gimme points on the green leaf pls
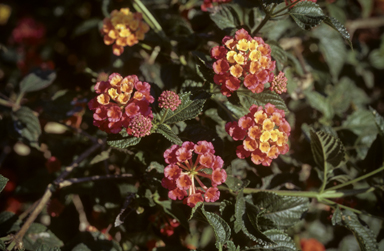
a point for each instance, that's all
(360, 122)
(278, 53)
(379, 120)
(232, 247)
(376, 58)
(37, 80)
(188, 109)
(327, 150)
(195, 209)
(226, 18)
(27, 125)
(247, 99)
(3, 182)
(122, 140)
(204, 66)
(233, 183)
(167, 132)
(336, 25)
(81, 247)
(37, 235)
(155, 166)
(2, 245)
(220, 227)
(237, 110)
(364, 236)
(283, 211)
(101, 157)
(87, 25)
(320, 103)
(239, 212)
(282, 242)
(307, 14)
(44, 247)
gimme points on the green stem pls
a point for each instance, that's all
(357, 179)
(283, 9)
(165, 115)
(265, 20)
(334, 204)
(148, 17)
(6, 103)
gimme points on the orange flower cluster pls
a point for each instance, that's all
(123, 28)
(242, 59)
(311, 245)
(264, 133)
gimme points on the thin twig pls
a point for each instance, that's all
(84, 223)
(70, 182)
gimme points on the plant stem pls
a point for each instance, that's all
(283, 9)
(357, 179)
(165, 115)
(70, 182)
(148, 17)
(6, 103)
(265, 20)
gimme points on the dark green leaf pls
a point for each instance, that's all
(2, 245)
(195, 209)
(232, 247)
(27, 125)
(320, 103)
(86, 26)
(204, 66)
(307, 14)
(167, 132)
(327, 151)
(239, 211)
(365, 237)
(283, 211)
(9, 222)
(220, 227)
(37, 80)
(278, 53)
(44, 247)
(122, 140)
(226, 18)
(360, 122)
(237, 110)
(335, 24)
(282, 242)
(247, 99)
(3, 182)
(37, 235)
(188, 109)
(155, 166)
(376, 58)
(234, 183)
(101, 157)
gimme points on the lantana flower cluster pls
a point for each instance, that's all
(242, 59)
(123, 28)
(209, 3)
(169, 100)
(264, 132)
(279, 83)
(184, 169)
(123, 102)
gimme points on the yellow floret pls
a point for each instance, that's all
(230, 56)
(265, 136)
(123, 98)
(253, 45)
(242, 45)
(113, 93)
(264, 147)
(268, 125)
(254, 55)
(103, 99)
(239, 58)
(275, 135)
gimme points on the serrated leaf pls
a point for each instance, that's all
(220, 227)
(282, 242)
(27, 125)
(327, 151)
(307, 14)
(247, 99)
(44, 247)
(232, 247)
(278, 53)
(37, 80)
(283, 211)
(364, 236)
(3, 182)
(155, 166)
(195, 209)
(251, 224)
(237, 110)
(101, 157)
(379, 120)
(188, 109)
(336, 25)
(167, 132)
(226, 18)
(122, 140)
(239, 211)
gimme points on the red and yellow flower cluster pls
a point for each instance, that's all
(242, 59)
(122, 102)
(123, 28)
(209, 3)
(184, 168)
(264, 133)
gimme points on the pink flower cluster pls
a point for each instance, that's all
(169, 100)
(264, 133)
(28, 31)
(122, 102)
(279, 83)
(242, 59)
(184, 168)
(209, 3)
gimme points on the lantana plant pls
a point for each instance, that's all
(190, 125)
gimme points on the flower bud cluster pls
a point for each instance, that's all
(264, 133)
(123, 28)
(122, 102)
(242, 59)
(209, 3)
(184, 168)
(169, 100)
(279, 83)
